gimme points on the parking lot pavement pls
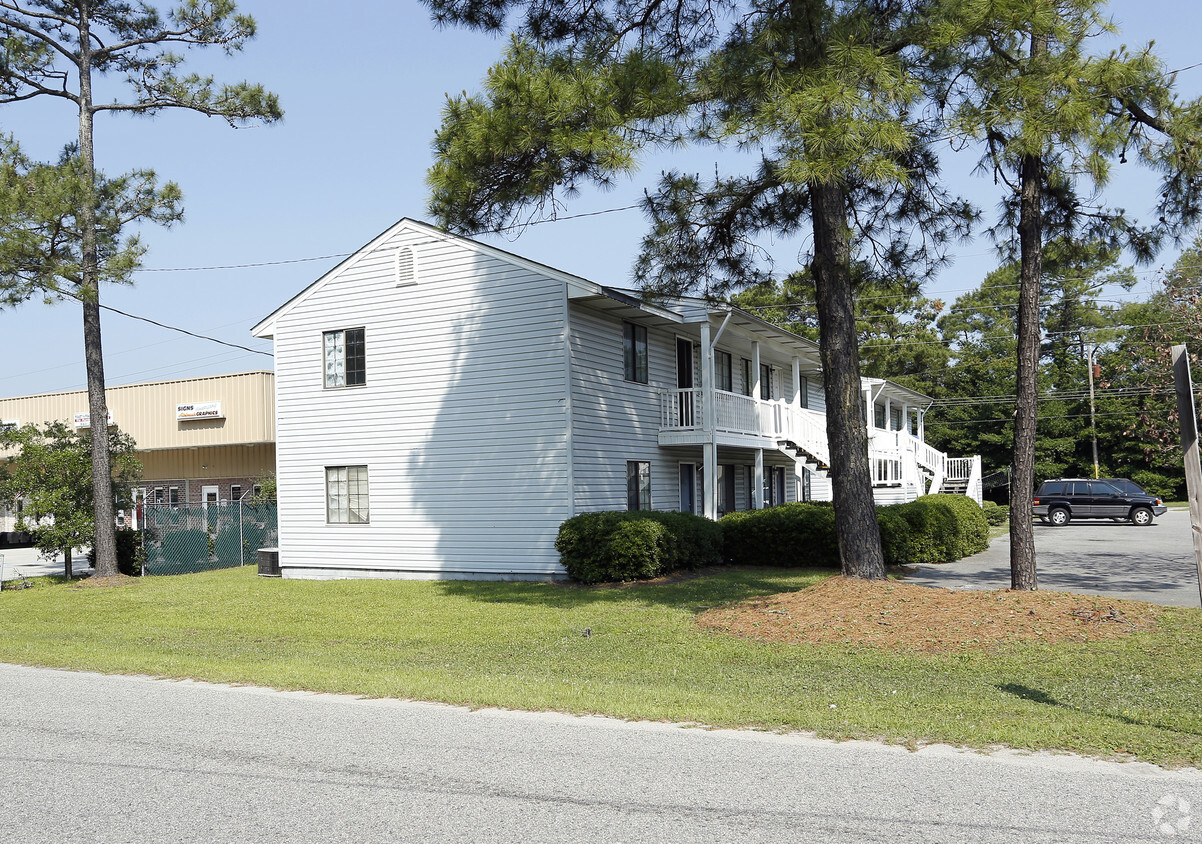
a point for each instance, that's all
(1097, 557)
(28, 562)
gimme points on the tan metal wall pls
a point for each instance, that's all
(147, 412)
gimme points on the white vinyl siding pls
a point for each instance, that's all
(615, 420)
(463, 422)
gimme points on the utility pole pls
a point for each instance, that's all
(1188, 418)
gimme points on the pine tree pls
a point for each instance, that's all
(59, 49)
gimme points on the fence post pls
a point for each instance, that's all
(241, 541)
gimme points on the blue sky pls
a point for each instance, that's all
(362, 90)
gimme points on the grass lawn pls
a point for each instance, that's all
(633, 652)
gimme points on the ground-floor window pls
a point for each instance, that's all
(638, 485)
(346, 495)
(804, 491)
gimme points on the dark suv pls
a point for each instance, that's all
(1061, 500)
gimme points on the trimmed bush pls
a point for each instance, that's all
(620, 545)
(944, 528)
(788, 536)
(995, 514)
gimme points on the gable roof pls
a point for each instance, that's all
(265, 328)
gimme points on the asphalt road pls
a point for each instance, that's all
(1098, 557)
(88, 758)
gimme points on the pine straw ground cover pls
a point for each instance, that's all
(899, 616)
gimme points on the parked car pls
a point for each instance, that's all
(1061, 500)
(1128, 486)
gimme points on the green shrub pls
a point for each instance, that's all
(130, 553)
(788, 536)
(995, 513)
(619, 545)
(944, 528)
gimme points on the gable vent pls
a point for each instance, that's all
(406, 269)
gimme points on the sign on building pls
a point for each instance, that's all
(84, 420)
(199, 410)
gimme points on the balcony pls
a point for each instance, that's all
(742, 421)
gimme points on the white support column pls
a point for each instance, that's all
(796, 402)
(906, 418)
(755, 369)
(709, 488)
(888, 413)
(757, 489)
(869, 412)
(922, 429)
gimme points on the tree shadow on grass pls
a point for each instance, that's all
(1038, 696)
(692, 591)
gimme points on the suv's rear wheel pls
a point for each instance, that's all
(1141, 516)
(1058, 516)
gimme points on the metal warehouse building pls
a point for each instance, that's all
(201, 440)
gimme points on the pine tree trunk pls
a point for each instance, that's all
(1022, 479)
(67, 563)
(859, 535)
(105, 544)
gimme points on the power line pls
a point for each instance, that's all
(256, 264)
(186, 331)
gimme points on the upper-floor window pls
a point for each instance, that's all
(723, 375)
(766, 382)
(346, 358)
(346, 495)
(878, 415)
(748, 384)
(634, 351)
(805, 391)
(638, 485)
(895, 419)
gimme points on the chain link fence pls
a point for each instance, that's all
(184, 540)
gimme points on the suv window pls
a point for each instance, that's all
(1052, 488)
(1103, 488)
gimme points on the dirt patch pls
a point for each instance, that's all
(96, 582)
(899, 616)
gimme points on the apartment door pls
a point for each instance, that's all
(684, 381)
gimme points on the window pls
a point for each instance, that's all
(158, 495)
(256, 490)
(878, 415)
(634, 351)
(766, 382)
(236, 493)
(173, 496)
(346, 358)
(726, 490)
(895, 419)
(747, 382)
(723, 376)
(638, 485)
(805, 391)
(805, 492)
(346, 495)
